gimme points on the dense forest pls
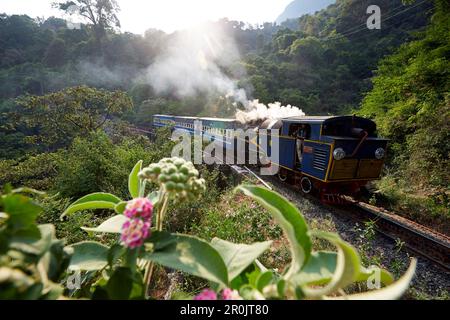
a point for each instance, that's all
(70, 97)
(323, 65)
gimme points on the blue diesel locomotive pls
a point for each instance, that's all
(330, 155)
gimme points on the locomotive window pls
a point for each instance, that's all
(300, 130)
(343, 126)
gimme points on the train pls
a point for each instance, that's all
(330, 156)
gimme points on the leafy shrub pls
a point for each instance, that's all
(98, 163)
(220, 221)
(94, 162)
(231, 268)
(36, 171)
(429, 208)
(69, 230)
(32, 259)
(184, 215)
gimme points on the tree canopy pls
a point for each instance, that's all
(57, 118)
(100, 13)
(410, 102)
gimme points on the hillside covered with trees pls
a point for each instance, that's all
(324, 66)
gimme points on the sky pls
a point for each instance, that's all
(168, 15)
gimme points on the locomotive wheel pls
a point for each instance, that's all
(306, 185)
(282, 177)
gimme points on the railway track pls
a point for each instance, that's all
(424, 241)
(417, 238)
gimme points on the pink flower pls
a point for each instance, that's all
(229, 294)
(206, 294)
(134, 232)
(139, 208)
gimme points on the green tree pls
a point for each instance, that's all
(101, 14)
(59, 117)
(410, 102)
(55, 53)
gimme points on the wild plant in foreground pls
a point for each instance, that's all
(126, 267)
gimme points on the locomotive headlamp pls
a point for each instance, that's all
(338, 154)
(379, 153)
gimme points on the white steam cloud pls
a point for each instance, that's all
(194, 62)
(256, 112)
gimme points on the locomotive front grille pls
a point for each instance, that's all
(320, 159)
(344, 169)
(369, 168)
(356, 169)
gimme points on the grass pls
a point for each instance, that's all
(70, 228)
(397, 264)
(428, 208)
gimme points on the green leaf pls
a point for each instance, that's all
(281, 287)
(98, 200)
(138, 289)
(322, 264)
(112, 225)
(22, 211)
(28, 243)
(250, 293)
(120, 207)
(88, 256)
(153, 197)
(237, 257)
(26, 190)
(100, 293)
(188, 254)
(252, 277)
(98, 196)
(88, 206)
(319, 270)
(115, 253)
(365, 273)
(290, 219)
(264, 279)
(24, 239)
(390, 292)
(120, 284)
(347, 266)
(133, 180)
(56, 260)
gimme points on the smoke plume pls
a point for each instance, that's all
(257, 112)
(196, 61)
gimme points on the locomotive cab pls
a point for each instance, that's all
(331, 154)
